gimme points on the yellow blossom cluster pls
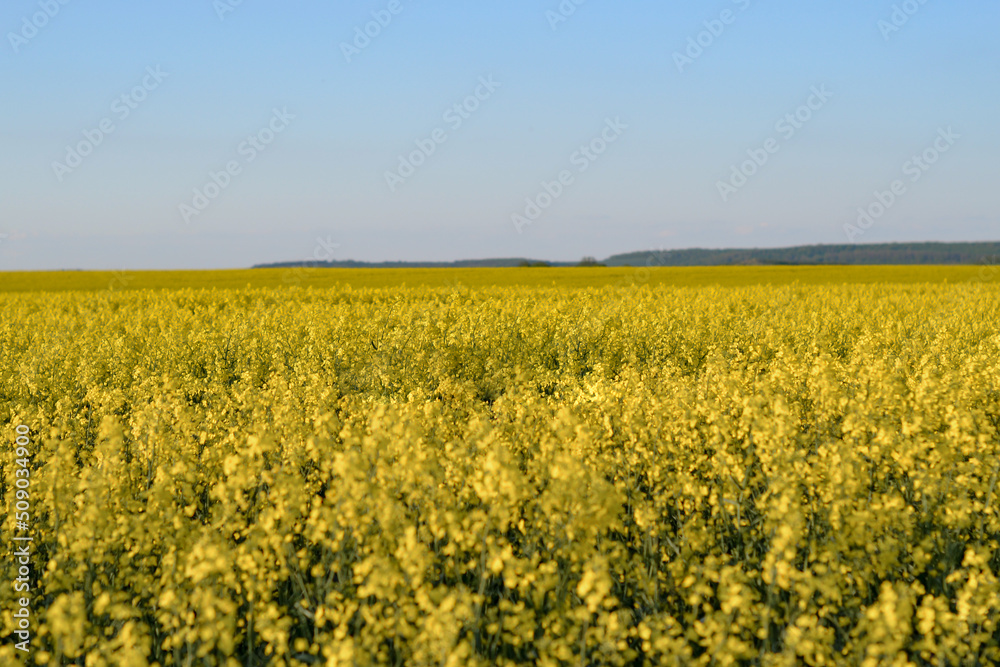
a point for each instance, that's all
(793, 475)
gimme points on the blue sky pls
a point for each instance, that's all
(312, 133)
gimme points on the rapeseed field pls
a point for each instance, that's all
(625, 473)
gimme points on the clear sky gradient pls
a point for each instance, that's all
(201, 134)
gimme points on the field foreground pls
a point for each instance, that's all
(759, 475)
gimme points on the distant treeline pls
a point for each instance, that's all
(882, 253)
(876, 253)
(459, 264)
